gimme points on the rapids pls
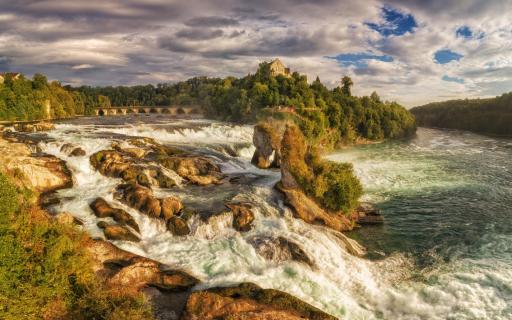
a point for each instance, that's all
(444, 253)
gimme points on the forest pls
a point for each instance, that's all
(22, 99)
(490, 116)
(329, 116)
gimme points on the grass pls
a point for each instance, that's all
(45, 270)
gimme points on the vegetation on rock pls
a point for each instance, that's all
(333, 185)
(492, 116)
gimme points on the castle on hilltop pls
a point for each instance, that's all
(13, 75)
(278, 68)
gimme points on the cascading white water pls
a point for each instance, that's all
(339, 283)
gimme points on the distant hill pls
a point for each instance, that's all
(491, 116)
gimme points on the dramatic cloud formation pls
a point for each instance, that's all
(411, 51)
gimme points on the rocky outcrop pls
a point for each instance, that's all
(43, 173)
(196, 169)
(117, 232)
(308, 210)
(279, 249)
(267, 140)
(34, 127)
(166, 288)
(242, 216)
(115, 164)
(367, 214)
(247, 301)
(178, 226)
(142, 199)
(102, 209)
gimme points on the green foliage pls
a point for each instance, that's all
(25, 99)
(45, 272)
(492, 116)
(318, 110)
(334, 185)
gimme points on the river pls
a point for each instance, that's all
(445, 251)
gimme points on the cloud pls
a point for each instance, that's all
(389, 46)
(211, 21)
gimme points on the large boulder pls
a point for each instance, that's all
(243, 216)
(267, 140)
(367, 214)
(113, 163)
(102, 209)
(247, 301)
(145, 272)
(279, 249)
(170, 207)
(44, 173)
(198, 170)
(117, 232)
(178, 226)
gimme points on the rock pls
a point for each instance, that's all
(170, 207)
(351, 245)
(68, 219)
(242, 216)
(117, 232)
(287, 179)
(279, 249)
(196, 169)
(142, 272)
(34, 127)
(178, 226)
(308, 210)
(153, 207)
(267, 141)
(77, 152)
(138, 153)
(247, 301)
(126, 271)
(368, 214)
(43, 173)
(102, 209)
(112, 163)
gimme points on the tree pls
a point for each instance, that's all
(346, 85)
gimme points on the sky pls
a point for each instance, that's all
(410, 51)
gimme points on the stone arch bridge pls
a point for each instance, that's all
(174, 110)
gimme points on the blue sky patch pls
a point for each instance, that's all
(396, 23)
(360, 60)
(446, 55)
(452, 79)
(464, 32)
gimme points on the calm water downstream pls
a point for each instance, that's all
(445, 251)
